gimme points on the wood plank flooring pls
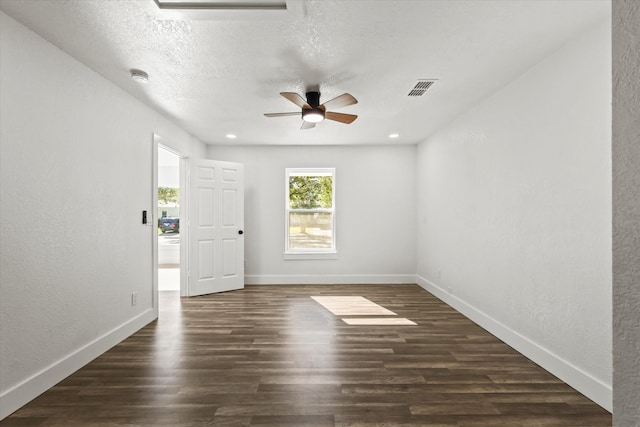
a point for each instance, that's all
(272, 356)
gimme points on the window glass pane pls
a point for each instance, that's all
(310, 192)
(310, 230)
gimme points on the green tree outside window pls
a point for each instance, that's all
(169, 194)
(310, 192)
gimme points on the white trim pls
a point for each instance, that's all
(582, 381)
(155, 146)
(293, 256)
(21, 394)
(329, 279)
(185, 226)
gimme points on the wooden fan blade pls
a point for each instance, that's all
(281, 114)
(340, 117)
(307, 125)
(340, 101)
(296, 99)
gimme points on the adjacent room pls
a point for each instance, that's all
(319, 213)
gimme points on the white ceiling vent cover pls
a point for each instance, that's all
(421, 87)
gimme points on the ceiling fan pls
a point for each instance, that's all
(314, 112)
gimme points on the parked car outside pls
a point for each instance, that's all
(169, 224)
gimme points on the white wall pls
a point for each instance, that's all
(514, 213)
(75, 176)
(375, 212)
(626, 213)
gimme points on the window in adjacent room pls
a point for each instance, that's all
(310, 213)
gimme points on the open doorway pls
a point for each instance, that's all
(168, 214)
(215, 260)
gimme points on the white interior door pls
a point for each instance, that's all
(216, 235)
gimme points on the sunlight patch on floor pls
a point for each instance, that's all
(352, 306)
(360, 306)
(372, 321)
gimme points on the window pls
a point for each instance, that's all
(310, 213)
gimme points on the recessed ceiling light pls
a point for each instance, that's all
(139, 75)
(393, 135)
(231, 136)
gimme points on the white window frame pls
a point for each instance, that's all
(310, 254)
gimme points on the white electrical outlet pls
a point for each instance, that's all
(134, 299)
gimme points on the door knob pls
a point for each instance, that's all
(240, 232)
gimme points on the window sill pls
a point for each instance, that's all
(292, 256)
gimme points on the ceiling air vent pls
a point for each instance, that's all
(421, 87)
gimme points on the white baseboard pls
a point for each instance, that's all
(13, 399)
(329, 279)
(586, 384)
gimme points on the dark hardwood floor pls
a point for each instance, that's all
(272, 356)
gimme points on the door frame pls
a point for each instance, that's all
(160, 142)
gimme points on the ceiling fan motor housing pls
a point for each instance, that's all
(313, 99)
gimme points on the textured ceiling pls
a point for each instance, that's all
(218, 75)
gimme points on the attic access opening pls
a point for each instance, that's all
(211, 10)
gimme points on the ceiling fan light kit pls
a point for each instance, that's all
(312, 116)
(313, 112)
